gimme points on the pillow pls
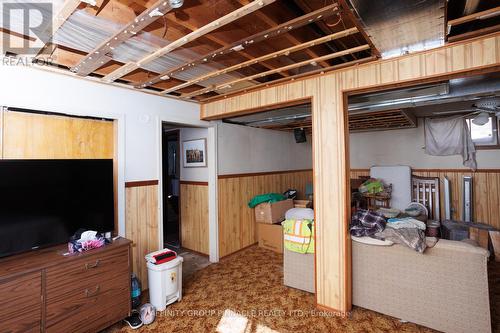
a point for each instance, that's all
(372, 241)
(299, 214)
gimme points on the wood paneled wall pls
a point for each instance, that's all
(486, 191)
(31, 135)
(194, 216)
(141, 224)
(237, 226)
(333, 260)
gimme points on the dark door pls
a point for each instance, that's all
(171, 177)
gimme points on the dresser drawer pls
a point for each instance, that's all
(21, 303)
(85, 271)
(89, 304)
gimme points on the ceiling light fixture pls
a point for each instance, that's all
(176, 3)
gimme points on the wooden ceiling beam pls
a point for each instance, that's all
(286, 51)
(67, 8)
(305, 7)
(474, 33)
(291, 38)
(291, 78)
(483, 15)
(212, 38)
(284, 68)
(226, 19)
(349, 12)
(256, 38)
(102, 53)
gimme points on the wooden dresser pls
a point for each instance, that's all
(45, 291)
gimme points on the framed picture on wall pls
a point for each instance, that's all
(194, 153)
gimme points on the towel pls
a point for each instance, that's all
(450, 136)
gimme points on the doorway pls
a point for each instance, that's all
(171, 179)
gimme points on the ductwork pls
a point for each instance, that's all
(403, 26)
(466, 89)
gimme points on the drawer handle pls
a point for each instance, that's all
(90, 293)
(94, 265)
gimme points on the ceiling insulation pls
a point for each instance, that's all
(83, 32)
(404, 26)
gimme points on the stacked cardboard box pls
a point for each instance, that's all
(269, 230)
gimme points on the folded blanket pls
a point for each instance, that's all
(268, 197)
(414, 238)
(366, 223)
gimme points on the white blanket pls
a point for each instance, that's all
(450, 136)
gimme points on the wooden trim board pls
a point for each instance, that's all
(472, 57)
(141, 183)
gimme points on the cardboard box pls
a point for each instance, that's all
(270, 236)
(302, 203)
(272, 212)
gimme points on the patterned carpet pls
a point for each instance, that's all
(244, 294)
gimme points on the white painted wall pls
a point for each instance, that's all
(193, 174)
(405, 147)
(243, 149)
(41, 90)
(139, 117)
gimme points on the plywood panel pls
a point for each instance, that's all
(485, 191)
(30, 135)
(332, 242)
(141, 226)
(194, 217)
(237, 226)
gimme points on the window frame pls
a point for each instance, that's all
(495, 127)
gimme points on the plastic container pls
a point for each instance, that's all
(165, 282)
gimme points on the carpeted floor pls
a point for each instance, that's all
(192, 263)
(244, 294)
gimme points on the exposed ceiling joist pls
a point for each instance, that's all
(99, 55)
(189, 25)
(294, 77)
(264, 58)
(231, 17)
(291, 38)
(67, 8)
(284, 68)
(306, 7)
(474, 33)
(483, 15)
(349, 13)
(251, 40)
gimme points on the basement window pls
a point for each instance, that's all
(485, 136)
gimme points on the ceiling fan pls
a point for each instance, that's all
(484, 110)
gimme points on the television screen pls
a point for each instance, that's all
(43, 202)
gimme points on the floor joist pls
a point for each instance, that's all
(284, 68)
(485, 14)
(286, 27)
(226, 19)
(67, 8)
(99, 56)
(286, 51)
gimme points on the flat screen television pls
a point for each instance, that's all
(43, 202)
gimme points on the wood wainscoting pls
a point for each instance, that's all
(194, 216)
(486, 191)
(327, 91)
(141, 224)
(237, 226)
